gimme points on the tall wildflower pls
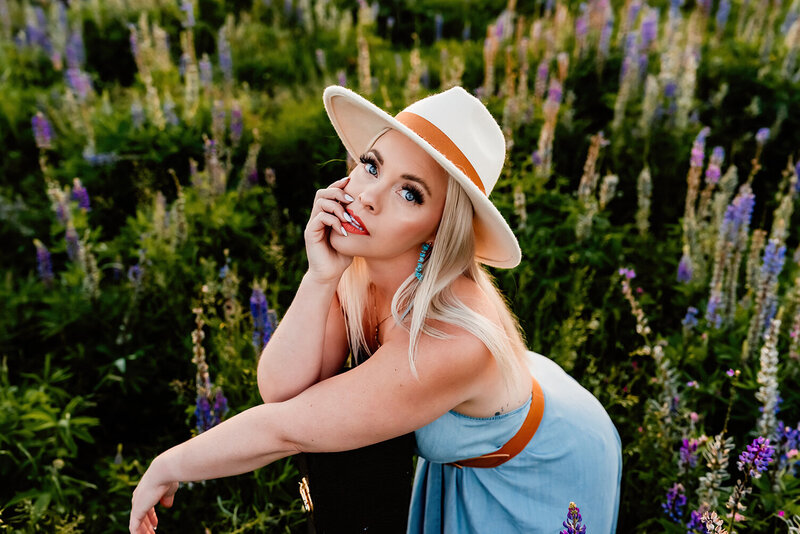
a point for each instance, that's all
(629, 78)
(42, 131)
(753, 461)
(546, 135)
(712, 175)
(210, 405)
(80, 194)
(676, 501)
(713, 523)
(717, 456)
(224, 55)
(731, 241)
(690, 228)
(768, 381)
(263, 319)
(43, 265)
(588, 184)
(490, 47)
(573, 523)
(250, 169)
(753, 266)
(766, 298)
(644, 193)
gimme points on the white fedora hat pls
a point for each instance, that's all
(457, 130)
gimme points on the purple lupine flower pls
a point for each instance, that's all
(698, 148)
(676, 500)
(224, 52)
(206, 71)
(690, 319)
(737, 215)
(605, 35)
(220, 405)
(541, 73)
(42, 131)
(80, 194)
(43, 265)
(135, 274)
(581, 22)
(223, 271)
(389, 23)
(627, 273)
(79, 82)
(730, 372)
(685, 269)
(788, 439)
(554, 92)
(218, 118)
(573, 523)
(762, 135)
(236, 123)
(688, 453)
(669, 89)
(262, 326)
(97, 160)
(341, 77)
(756, 457)
(437, 21)
(73, 245)
(723, 11)
(188, 8)
(75, 52)
(713, 172)
(774, 258)
(650, 28)
(536, 158)
(695, 524)
(712, 309)
(202, 413)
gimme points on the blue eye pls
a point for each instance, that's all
(369, 164)
(408, 195)
(412, 194)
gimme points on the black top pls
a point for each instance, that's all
(361, 490)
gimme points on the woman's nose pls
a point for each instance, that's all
(370, 195)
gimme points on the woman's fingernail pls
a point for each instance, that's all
(344, 232)
(348, 197)
(347, 217)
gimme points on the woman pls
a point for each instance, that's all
(506, 439)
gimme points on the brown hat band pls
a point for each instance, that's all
(439, 140)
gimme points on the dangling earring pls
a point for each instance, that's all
(423, 255)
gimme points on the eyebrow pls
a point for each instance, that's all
(406, 176)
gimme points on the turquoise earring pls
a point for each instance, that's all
(423, 255)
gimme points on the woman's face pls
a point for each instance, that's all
(399, 193)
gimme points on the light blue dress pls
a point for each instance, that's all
(575, 455)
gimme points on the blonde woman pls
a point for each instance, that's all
(506, 440)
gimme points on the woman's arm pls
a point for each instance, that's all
(309, 344)
(375, 401)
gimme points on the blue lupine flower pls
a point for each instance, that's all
(690, 319)
(536, 158)
(688, 453)
(79, 82)
(169, 112)
(188, 8)
(774, 258)
(713, 172)
(80, 194)
(202, 413)
(698, 147)
(676, 500)
(135, 274)
(224, 53)
(42, 131)
(206, 71)
(762, 135)
(389, 23)
(695, 524)
(262, 326)
(685, 269)
(438, 21)
(573, 523)
(723, 10)
(466, 32)
(712, 309)
(75, 52)
(43, 265)
(650, 28)
(220, 405)
(756, 457)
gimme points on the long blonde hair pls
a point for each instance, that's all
(432, 298)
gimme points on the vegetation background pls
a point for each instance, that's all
(157, 168)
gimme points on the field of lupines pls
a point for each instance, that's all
(158, 164)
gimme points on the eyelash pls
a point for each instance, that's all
(415, 191)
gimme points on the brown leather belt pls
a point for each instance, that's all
(518, 442)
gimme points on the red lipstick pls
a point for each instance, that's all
(357, 226)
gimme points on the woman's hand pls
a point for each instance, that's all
(148, 492)
(324, 262)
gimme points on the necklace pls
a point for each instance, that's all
(377, 326)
